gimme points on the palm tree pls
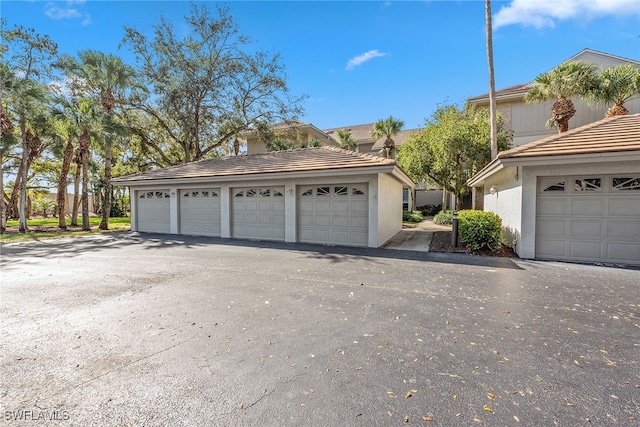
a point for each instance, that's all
(80, 119)
(346, 140)
(7, 80)
(81, 158)
(572, 78)
(108, 78)
(387, 128)
(616, 85)
(492, 84)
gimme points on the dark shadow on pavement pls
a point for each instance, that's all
(151, 241)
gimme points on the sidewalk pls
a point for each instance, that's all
(416, 239)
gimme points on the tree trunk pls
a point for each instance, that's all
(3, 217)
(85, 194)
(106, 201)
(62, 185)
(616, 110)
(76, 195)
(22, 211)
(561, 112)
(492, 85)
(12, 209)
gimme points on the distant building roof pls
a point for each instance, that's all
(303, 160)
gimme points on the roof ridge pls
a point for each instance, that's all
(552, 139)
(357, 154)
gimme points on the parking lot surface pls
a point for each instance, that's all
(149, 330)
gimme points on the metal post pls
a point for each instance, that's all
(454, 230)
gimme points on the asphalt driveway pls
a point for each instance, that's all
(146, 330)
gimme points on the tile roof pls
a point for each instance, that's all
(362, 133)
(520, 89)
(615, 134)
(303, 160)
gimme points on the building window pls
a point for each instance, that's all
(626, 184)
(587, 184)
(558, 186)
(341, 191)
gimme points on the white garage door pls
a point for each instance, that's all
(200, 212)
(589, 218)
(258, 213)
(153, 211)
(333, 214)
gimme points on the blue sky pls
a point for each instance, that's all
(361, 61)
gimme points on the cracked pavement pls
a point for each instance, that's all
(149, 330)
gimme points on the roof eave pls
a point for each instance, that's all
(362, 170)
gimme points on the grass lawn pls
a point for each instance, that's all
(47, 228)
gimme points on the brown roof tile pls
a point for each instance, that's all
(362, 133)
(616, 134)
(304, 160)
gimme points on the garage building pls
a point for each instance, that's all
(574, 196)
(320, 195)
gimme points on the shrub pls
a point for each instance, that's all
(443, 218)
(480, 229)
(429, 210)
(411, 216)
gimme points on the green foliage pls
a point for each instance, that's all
(429, 210)
(280, 144)
(443, 218)
(387, 128)
(479, 229)
(411, 216)
(616, 85)
(346, 140)
(44, 206)
(208, 84)
(571, 78)
(453, 146)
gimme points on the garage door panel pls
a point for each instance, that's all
(321, 220)
(587, 206)
(551, 248)
(586, 250)
(336, 214)
(552, 227)
(340, 206)
(623, 253)
(340, 237)
(322, 206)
(200, 212)
(153, 211)
(340, 221)
(552, 206)
(624, 206)
(585, 229)
(623, 230)
(602, 224)
(258, 213)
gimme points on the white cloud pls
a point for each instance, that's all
(545, 13)
(361, 59)
(58, 13)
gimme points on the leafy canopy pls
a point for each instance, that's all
(453, 146)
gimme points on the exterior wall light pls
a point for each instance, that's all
(493, 190)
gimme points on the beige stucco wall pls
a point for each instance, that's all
(506, 202)
(389, 207)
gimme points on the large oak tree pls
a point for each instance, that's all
(206, 87)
